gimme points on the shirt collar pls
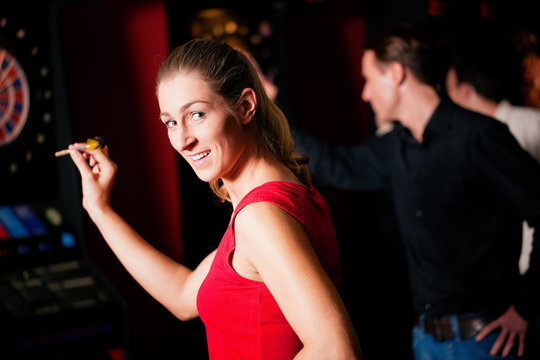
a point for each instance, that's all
(439, 121)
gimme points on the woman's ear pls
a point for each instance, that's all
(247, 106)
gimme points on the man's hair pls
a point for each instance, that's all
(482, 70)
(410, 45)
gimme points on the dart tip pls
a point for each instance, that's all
(66, 151)
(61, 153)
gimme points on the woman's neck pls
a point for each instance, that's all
(256, 171)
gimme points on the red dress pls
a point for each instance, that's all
(242, 319)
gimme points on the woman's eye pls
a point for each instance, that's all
(197, 115)
(170, 124)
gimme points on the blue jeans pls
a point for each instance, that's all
(425, 347)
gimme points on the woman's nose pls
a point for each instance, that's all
(182, 140)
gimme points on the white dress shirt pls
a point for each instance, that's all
(524, 124)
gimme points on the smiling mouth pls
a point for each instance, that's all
(199, 156)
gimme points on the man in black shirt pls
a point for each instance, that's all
(461, 186)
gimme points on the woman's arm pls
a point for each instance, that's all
(172, 284)
(273, 247)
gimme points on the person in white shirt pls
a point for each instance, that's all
(473, 82)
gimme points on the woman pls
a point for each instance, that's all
(265, 292)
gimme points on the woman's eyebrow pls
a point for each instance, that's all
(185, 106)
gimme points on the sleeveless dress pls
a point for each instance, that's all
(242, 319)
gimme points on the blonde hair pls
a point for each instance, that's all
(229, 72)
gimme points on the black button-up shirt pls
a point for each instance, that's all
(460, 199)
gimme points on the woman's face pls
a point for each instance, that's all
(200, 128)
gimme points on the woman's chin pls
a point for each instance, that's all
(206, 177)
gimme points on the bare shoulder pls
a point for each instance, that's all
(264, 216)
(263, 228)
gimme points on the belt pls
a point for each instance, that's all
(441, 327)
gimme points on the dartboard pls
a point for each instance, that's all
(27, 117)
(14, 98)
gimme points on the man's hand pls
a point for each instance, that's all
(512, 326)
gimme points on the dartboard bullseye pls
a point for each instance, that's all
(14, 98)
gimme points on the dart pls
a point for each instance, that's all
(91, 144)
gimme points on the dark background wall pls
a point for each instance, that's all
(111, 51)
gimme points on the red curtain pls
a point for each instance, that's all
(111, 52)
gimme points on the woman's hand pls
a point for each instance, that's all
(97, 174)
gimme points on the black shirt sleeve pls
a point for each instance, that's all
(349, 167)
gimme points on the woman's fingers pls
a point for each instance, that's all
(93, 162)
(97, 175)
(80, 162)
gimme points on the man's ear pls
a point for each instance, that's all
(398, 72)
(247, 106)
(466, 90)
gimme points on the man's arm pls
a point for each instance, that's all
(352, 167)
